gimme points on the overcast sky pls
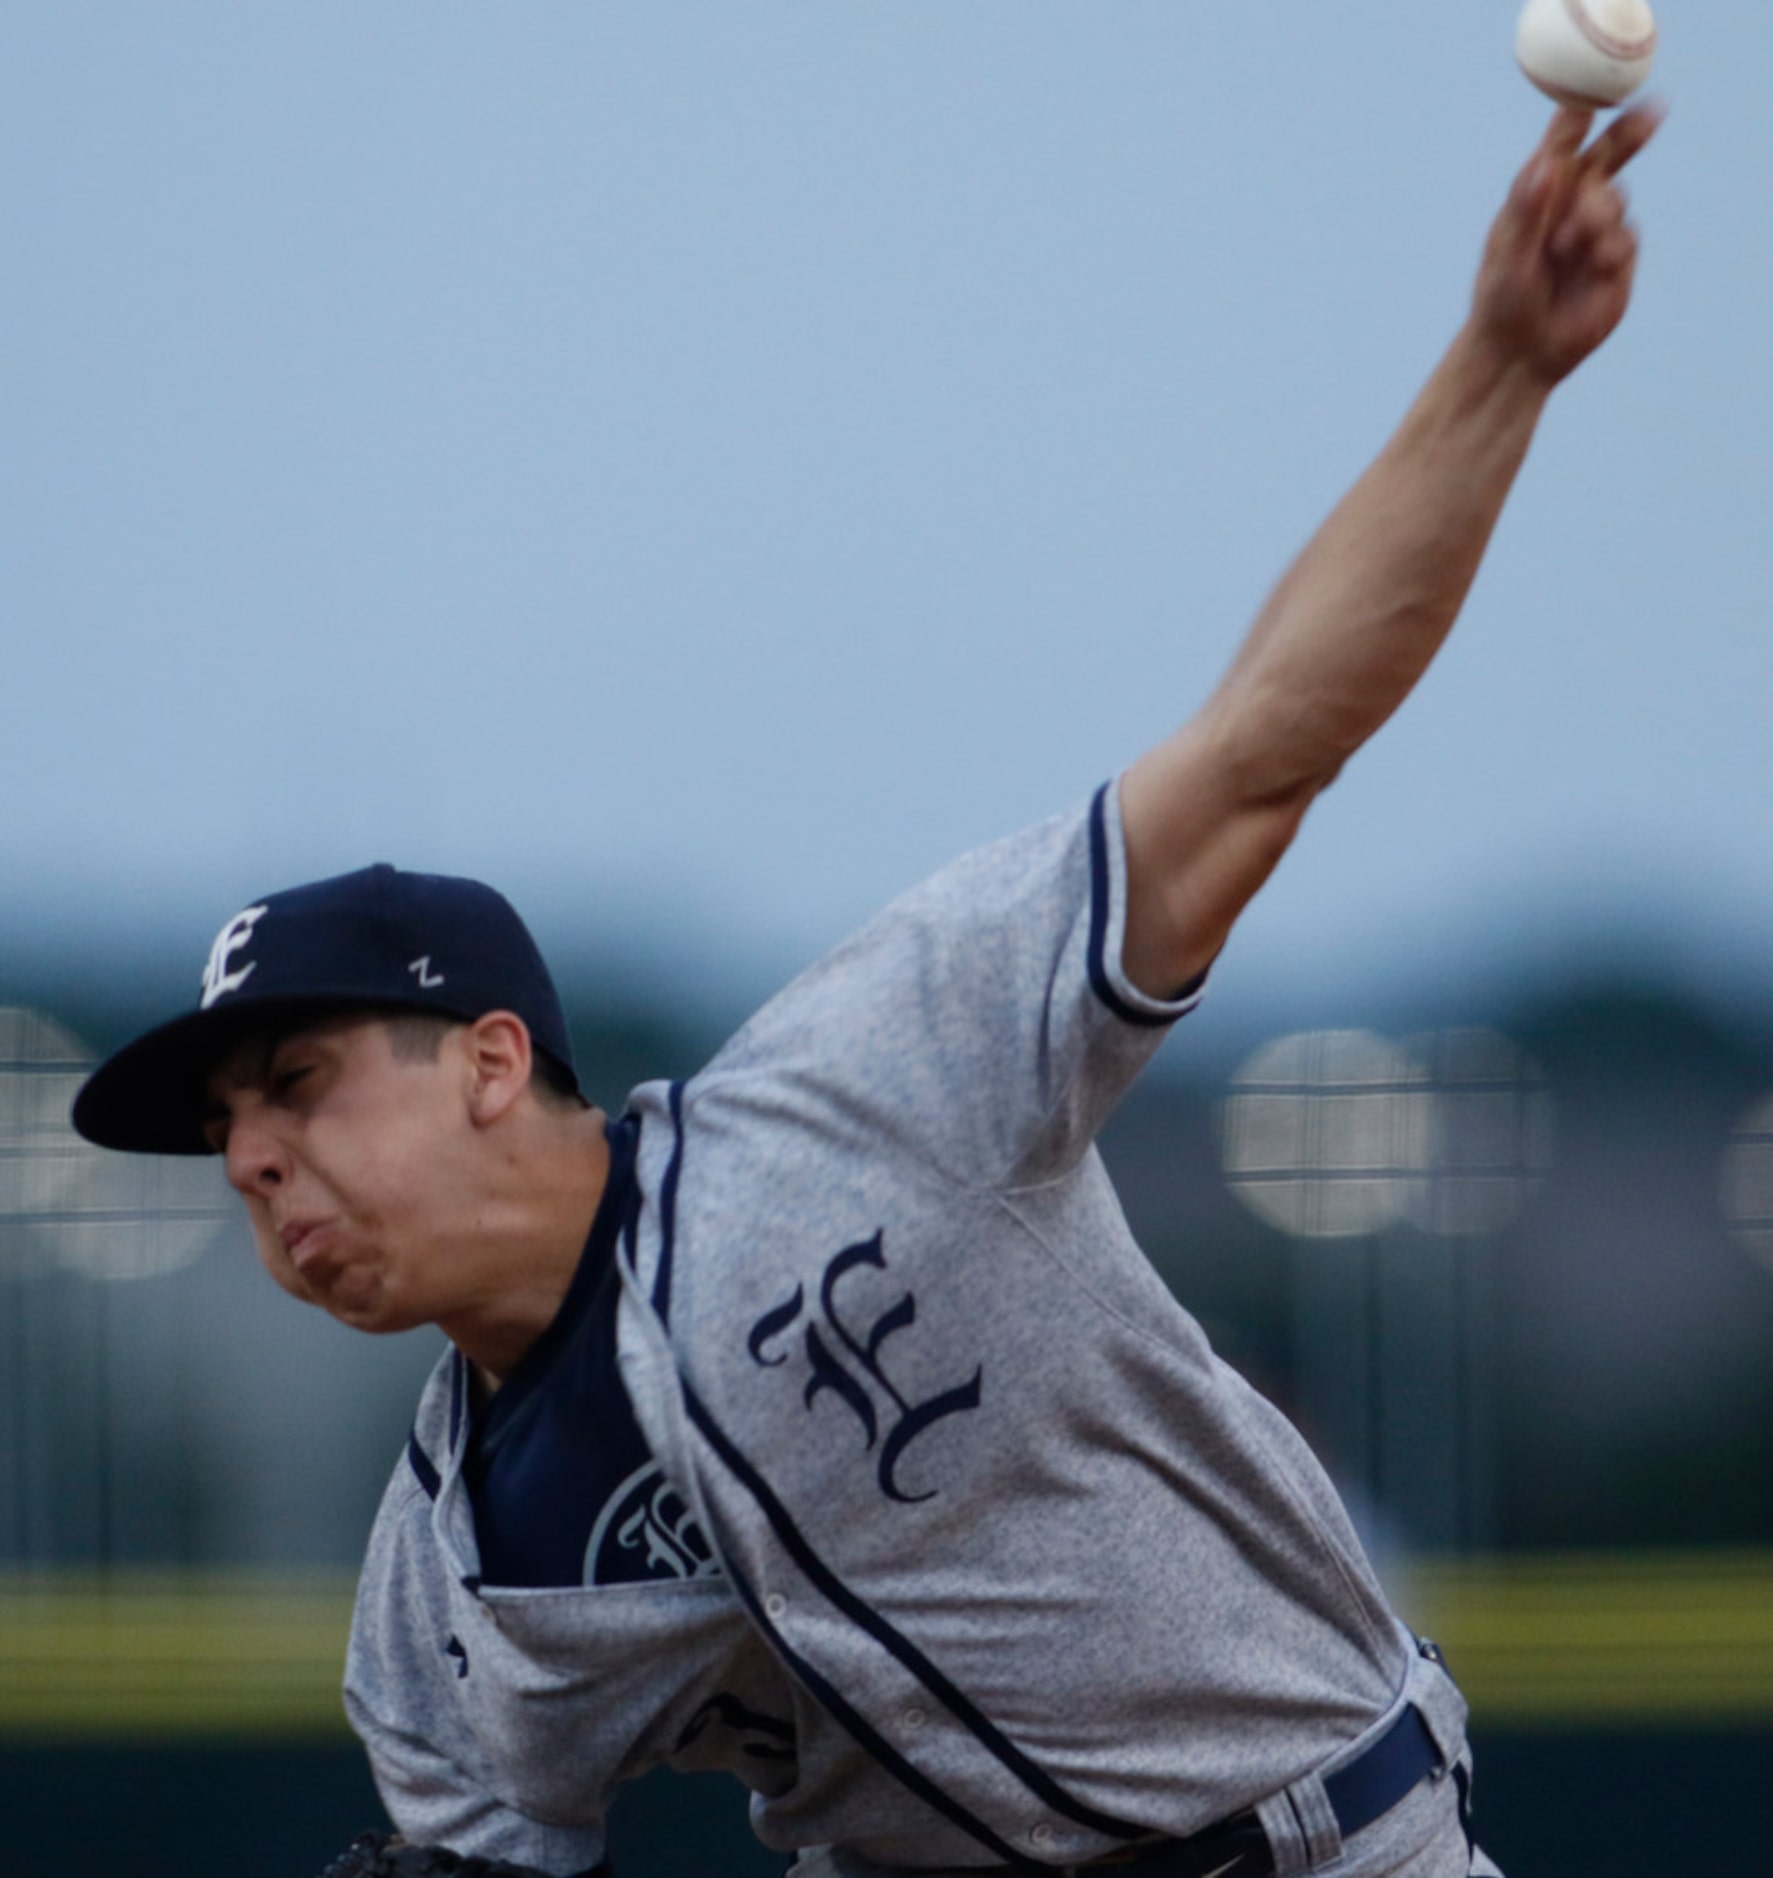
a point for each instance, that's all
(701, 466)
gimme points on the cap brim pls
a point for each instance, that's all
(152, 1096)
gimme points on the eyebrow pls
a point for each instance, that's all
(244, 1065)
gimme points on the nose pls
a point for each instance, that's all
(254, 1159)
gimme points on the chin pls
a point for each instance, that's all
(375, 1317)
(357, 1308)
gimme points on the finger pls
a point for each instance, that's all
(1624, 138)
(1596, 246)
(1565, 133)
(1559, 161)
(1615, 252)
(1558, 148)
(1596, 211)
(1542, 190)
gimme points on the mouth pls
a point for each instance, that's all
(303, 1243)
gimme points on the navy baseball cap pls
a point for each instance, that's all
(374, 939)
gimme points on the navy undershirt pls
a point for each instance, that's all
(555, 1456)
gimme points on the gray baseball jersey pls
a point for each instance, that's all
(1009, 1564)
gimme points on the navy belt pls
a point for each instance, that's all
(1363, 1791)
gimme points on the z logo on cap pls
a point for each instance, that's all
(217, 979)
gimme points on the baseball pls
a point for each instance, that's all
(1586, 52)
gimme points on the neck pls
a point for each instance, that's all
(536, 1231)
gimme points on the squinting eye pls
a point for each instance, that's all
(285, 1080)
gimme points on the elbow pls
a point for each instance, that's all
(1277, 761)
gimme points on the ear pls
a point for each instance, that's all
(498, 1054)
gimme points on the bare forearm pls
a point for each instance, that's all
(1364, 609)
(1335, 650)
(1366, 606)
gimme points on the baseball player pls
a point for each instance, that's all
(817, 1418)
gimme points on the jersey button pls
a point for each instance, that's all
(775, 1606)
(1042, 1835)
(914, 1718)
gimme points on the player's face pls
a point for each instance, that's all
(352, 1162)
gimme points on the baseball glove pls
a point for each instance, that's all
(375, 1855)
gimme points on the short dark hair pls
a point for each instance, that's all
(417, 1036)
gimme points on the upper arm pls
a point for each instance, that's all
(984, 1022)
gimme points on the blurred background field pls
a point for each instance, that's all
(700, 468)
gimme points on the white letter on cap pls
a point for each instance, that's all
(216, 976)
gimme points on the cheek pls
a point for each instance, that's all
(360, 1166)
(397, 1190)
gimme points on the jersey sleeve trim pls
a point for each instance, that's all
(1108, 926)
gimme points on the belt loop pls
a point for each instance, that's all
(1300, 1826)
(1430, 1686)
(1318, 1824)
(1280, 1825)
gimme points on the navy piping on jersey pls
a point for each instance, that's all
(1100, 982)
(995, 1743)
(877, 1745)
(458, 1401)
(983, 1730)
(668, 1209)
(421, 1465)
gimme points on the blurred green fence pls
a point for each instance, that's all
(1559, 1641)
